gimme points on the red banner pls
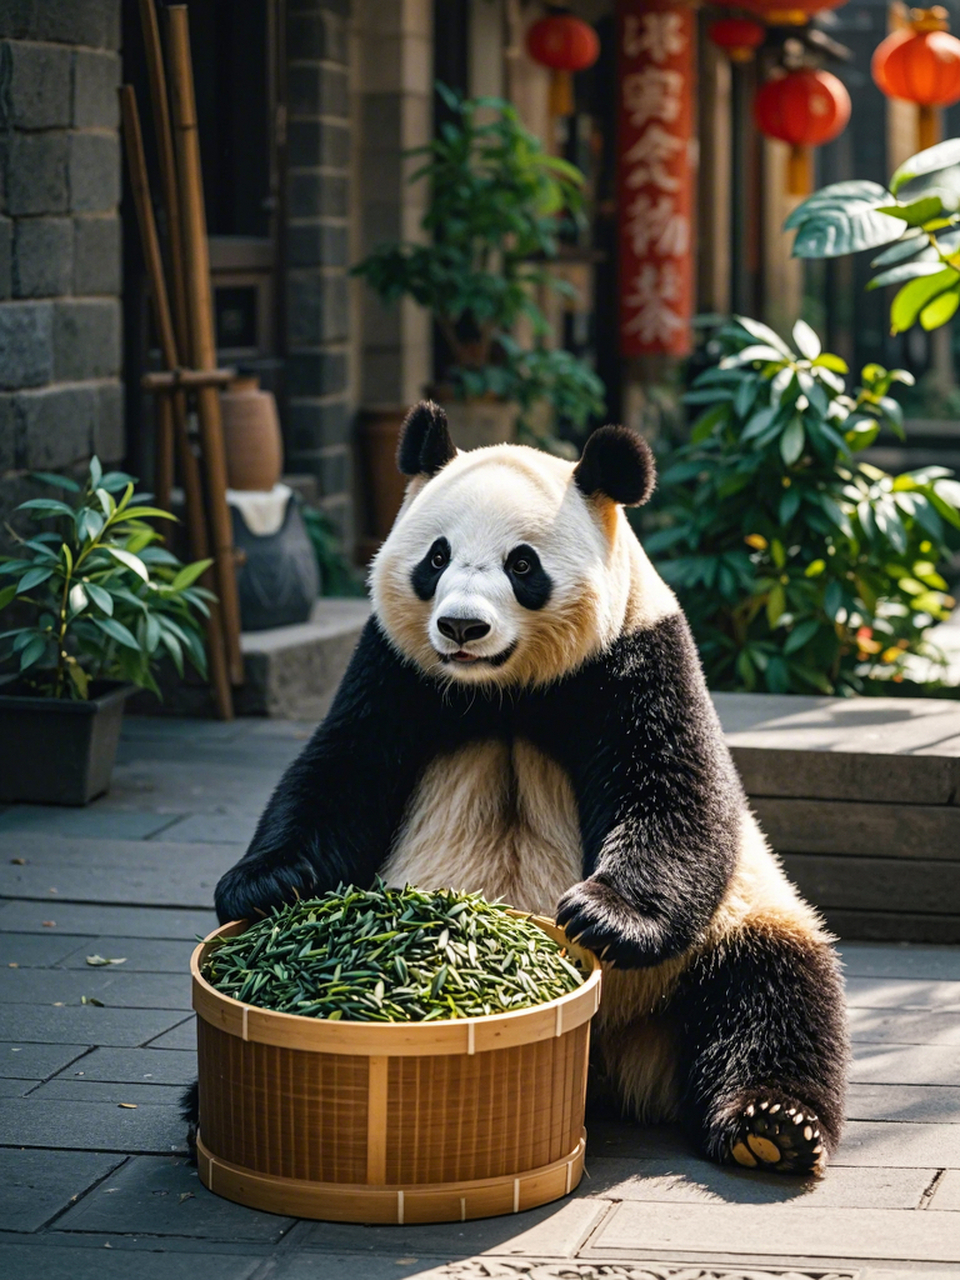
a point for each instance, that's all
(656, 49)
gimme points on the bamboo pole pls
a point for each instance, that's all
(172, 404)
(203, 351)
(168, 168)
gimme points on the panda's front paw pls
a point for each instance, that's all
(251, 889)
(596, 917)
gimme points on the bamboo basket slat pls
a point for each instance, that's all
(382, 1122)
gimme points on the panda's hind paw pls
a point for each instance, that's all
(779, 1135)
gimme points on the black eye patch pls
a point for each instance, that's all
(530, 581)
(428, 572)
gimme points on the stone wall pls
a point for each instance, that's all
(319, 410)
(60, 321)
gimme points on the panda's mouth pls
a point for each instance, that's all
(463, 658)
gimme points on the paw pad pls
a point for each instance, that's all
(784, 1138)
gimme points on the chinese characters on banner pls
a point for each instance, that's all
(655, 178)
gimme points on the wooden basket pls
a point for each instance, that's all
(392, 1122)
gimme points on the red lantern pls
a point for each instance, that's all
(920, 64)
(804, 108)
(738, 36)
(785, 13)
(564, 44)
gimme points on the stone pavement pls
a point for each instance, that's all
(93, 1176)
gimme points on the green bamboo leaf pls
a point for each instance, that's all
(101, 598)
(189, 574)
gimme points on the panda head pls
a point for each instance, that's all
(508, 566)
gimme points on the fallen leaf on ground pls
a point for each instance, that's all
(100, 960)
(187, 1195)
(49, 924)
(129, 1106)
(19, 862)
(92, 1000)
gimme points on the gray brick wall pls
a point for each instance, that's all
(60, 329)
(319, 414)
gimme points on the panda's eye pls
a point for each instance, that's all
(439, 559)
(521, 566)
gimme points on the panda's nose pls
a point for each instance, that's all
(461, 630)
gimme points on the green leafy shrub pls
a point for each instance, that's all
(918, 218)
(498, 203)
(100, 599)
(801, 569)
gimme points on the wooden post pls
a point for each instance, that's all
(171, 406)
(203, 351)
(168, 168)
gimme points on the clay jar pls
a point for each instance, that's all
(251, 436)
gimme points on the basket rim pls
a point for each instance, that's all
(253, 1022)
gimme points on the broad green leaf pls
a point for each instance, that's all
(917, 212)
(789, 505)
(838, 195)
(745, 395)
(32, 652)
(763, 334)
(935, 160)
(940, 310)
(800, 634)
(831, 362)
(913, 242)
(49, 506)
(131, 561)
(915, 296)
(702, 429)
(33, 578)
(189, 574)
(807, 342)
(749, 354)
(836, 514)
(778, 553)
(814, 568)
(792, 441)
(833, 600)
(79, 679)
(920, 266)
(147, 513)
(78, 598)
(776, 605)
(846, 224)
(59, 482)
(117, 631)
(760, 421)
(7, 594)
(101, 598)
(96, 472)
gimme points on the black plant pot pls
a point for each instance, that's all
(53, 751)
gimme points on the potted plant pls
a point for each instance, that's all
(498, 204)
(94, 605)
(801, 569)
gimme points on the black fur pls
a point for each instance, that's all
(761, 1017)
(426, 575)
(533, 587)
(425, 445)
(617, 463)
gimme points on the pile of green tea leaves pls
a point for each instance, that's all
(392, 955)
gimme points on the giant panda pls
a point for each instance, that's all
(525, 716)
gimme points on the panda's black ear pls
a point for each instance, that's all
(617, 463)
(425, 445)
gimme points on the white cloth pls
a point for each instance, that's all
(262, 510)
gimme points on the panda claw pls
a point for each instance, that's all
(764, 1138)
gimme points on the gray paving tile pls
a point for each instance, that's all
(900, 960)
(37, 1061)
(927, 1104)
(895, 1144)
(946, 1197)
(92, 1126)
(348, 1266)
(70, 1262)
(903, 993)
(39, 950)
(134, 1066)
(178, 787)
(71, 1087)
(214, 828)
(888, 1234)
(554, 1230)
(162, 1197)
(905, 1064)
(184, 882)
(142, 955)
(185, 733)
(690, 1180)
(94, 822)
(183, 1036)
(904, 1026)
(86, 918)
(84, 1024)
(114, 986)
(11, 1088)
(37, 1186)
